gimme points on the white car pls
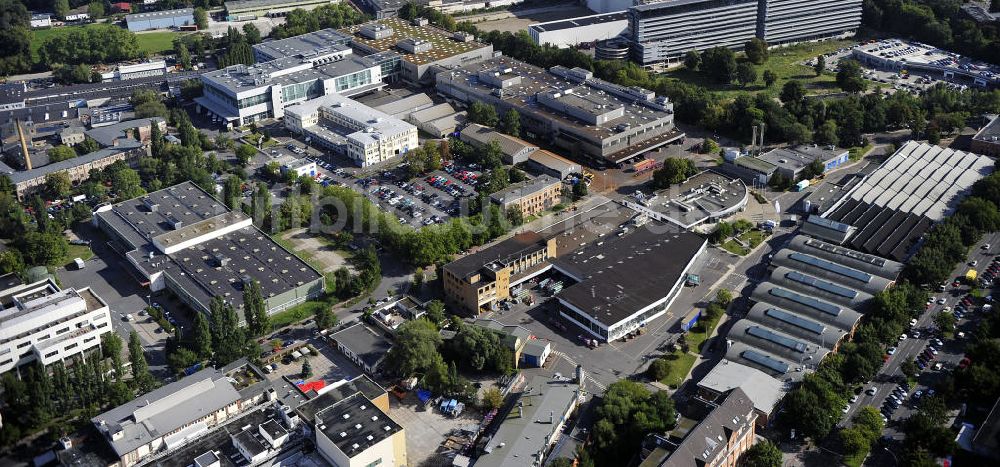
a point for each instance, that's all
(847, 408)
(128, 317)
(891, 350)
(854, 398)
(930, 301)
(913, 322)
(902, 337)
(941, 301)
(974, 263)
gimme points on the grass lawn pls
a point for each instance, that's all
(786, 62)
(296, 313)
(699, 334)
(152, 42)
(855, 459)
(856, 152)
(752, 237)
(680, 365)
(734, 248)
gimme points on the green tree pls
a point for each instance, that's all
(492, 399)
(945, 322)
(252, 34)
(719, 63)
(626, 414)
(229, 340)
(201, 336)
(674, 171)
(763, 454)
(147, 104)
(127, 183)
(60, 153)
(183, 55)
(826, 133)
(849, 77)
(435, 312)
(42, 248)
(232, 191)
(692, 60)
(659, 369)
(724, 297)
(58, 184)
(770, 78)
(307, 370)
(60, 8)
(87, 146)
(483, 114)
(324, 318)
(111, 348)
(201, 18)
(244, 154)
(820, 65)
(512, 123)
(255, 310)
(95, 10)
(11, 262)
(756, 50)
(416, 348)
(792, 92)
(745, 74)
(141, 377)
(579, 190)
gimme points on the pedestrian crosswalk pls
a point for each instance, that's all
(590, 379)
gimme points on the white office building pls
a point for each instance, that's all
(241, 94)
(39, 322)
(136, 70)
(366, 135)
(574, 31)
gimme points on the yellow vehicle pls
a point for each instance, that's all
(971, 275)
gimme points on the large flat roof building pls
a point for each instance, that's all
(160, 19)
(705, 197)
(662, 32)
(531, 197)
(792, 161)
(624, 282)
(365, 135)
(764, 391)
(918, 58)
(240, 94)
(176, 414)
(181, 238)
(355, 432)
(574, 31)
(242, 10)
(533, 426)
(424, 49)
(514, 150)
(365, 347)
(568, 108)
(894, 205)
(41, 323)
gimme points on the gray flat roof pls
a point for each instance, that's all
(370, 346)
(106, 135)
(990, 131)
(583, 21)
(761, 388)
(153, 15)
(324, 40)
(354, 424)
(184, 202)
(260, 4)
(622, 275)
(504, 251)
(798, 157)
(523, 433)
(526, 188)
(359, 385)
(166, 409)
(484, 135)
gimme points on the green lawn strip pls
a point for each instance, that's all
(152, 42)
(734, 248)
(786, 63)
(700, 333)
(858, 152)
(79, 251)
(297, 313)
(680, 365)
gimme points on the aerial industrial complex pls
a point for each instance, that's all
(182, 239)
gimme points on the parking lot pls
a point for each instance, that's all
(432, 199)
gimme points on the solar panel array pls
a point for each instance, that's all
(795, 320)
(837, 250)
(832, 267)
(764, 360)
(807, 301)
(821, 284)
(771, 336)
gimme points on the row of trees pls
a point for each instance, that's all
(84, 386)
(337, 15)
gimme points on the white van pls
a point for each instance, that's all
(79, 263)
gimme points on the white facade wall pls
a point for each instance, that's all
(382, 452)
(55, 327)
(570, 37)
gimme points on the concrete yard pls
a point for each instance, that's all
(323, 254)
(426, 428)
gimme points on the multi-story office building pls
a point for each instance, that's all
(41, 323)
(665, 31)
(136, 70)
(803, 20)
(569, 108)
(241, 94)
(479, 281)
(662, 32)
(530, 196)
(355, 432)
(364, 134)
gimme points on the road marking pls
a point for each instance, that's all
(587, 373)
